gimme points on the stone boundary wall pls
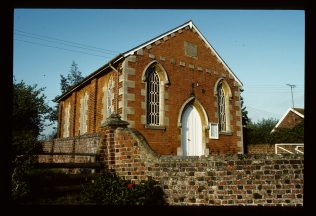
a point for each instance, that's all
(258, 179)
(81, 144)
(213, 180)
(231, 180)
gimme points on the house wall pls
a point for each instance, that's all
(182, 71)
(290, 120)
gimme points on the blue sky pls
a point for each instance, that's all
(264, 48)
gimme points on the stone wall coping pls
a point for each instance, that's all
(115, 120)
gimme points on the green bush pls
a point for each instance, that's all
(260, 133)
(21, 189)
(109, 189)
(289, 135)
(146, 193)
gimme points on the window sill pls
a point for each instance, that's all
(155, 127)
(226, 133)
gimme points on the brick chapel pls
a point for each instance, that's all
(174, 89)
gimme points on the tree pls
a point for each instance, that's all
(260, 132)
(245, 120)
(66, 83)
(244, 112)
(72, 79)
(28, 116)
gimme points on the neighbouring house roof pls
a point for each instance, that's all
(135, 49)
(300, 110)
(297, 111)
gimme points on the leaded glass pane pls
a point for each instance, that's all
(110, 96)
(153, 98)
(83, 124)
(221, 107)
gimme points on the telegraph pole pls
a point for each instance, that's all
(292, 86)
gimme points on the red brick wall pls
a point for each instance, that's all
(261, 149)
(290, 120)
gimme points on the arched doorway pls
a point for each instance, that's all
(191, 132)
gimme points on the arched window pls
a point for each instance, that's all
(155, 79)
(223, 94)
(67, 119)
(83, 113)
(153, 98)
(221, 107)
(110, 97)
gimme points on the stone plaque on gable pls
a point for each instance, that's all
(190, 49)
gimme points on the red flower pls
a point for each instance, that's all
(130, 186)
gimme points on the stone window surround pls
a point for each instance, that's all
(164, 81)
(67, 120)
(153, 97)
(228, 96)
(105, 97)
(83, 124)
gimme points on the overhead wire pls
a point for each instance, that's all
(76, 51)
(84, 46)
(64, 44)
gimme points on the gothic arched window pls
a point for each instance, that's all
(67, 120)
(110, 97)
(83, 113)
(153, 83)
(221, 104)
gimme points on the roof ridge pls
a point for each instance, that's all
(131, 51)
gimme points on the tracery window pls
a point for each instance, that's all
(153, 98)
(84, 113)
(110, 97)
(221, 107)
(67, 119)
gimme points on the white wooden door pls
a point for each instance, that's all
(191, 132)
